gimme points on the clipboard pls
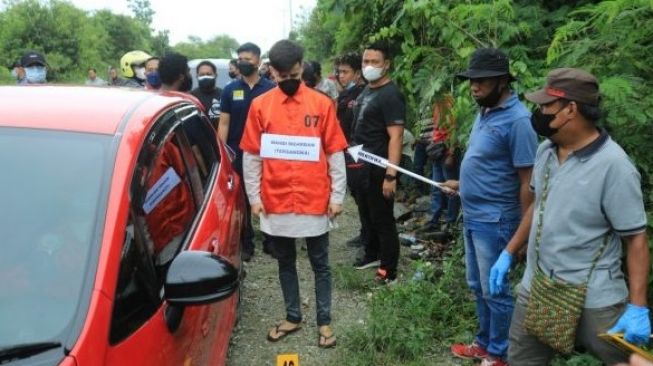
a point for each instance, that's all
(617, 340)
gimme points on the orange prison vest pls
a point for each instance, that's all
(289, 186)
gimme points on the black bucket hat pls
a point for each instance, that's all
(487, 63)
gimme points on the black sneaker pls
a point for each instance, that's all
(364, 263)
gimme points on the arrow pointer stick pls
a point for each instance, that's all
(358, 153)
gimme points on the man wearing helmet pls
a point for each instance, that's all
(132, 68)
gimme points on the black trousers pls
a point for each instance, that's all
(377, 218)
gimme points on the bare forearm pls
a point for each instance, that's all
(638, 267)
(223, 127)
(521, 235)
(394, 153)
(526, 198)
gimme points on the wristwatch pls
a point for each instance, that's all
(389, 177)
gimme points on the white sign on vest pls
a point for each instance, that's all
(166, 183)
(286, 147)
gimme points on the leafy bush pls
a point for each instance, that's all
(413, 319)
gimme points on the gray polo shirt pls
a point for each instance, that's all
(595, 192)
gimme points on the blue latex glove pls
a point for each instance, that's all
(498, 273)
(635, 324)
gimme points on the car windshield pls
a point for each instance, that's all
(52, 193)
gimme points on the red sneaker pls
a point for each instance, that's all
(491, 361)
(469, 351)
(385, 277)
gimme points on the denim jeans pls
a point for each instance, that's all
(484, 242)
(441, 173)
(318, 255)
(419, 163)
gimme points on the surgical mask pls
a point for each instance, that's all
(246, 68)
(350, 85)
(140, 73)
(154, 79)
(14, 74)
(372, 74)
(492, 99)
(542, 123)
(206, 83)
(289, 86)
(232, 74)
(36, 74)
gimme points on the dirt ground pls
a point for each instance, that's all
(262, 305)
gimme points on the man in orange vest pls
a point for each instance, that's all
(295, 178)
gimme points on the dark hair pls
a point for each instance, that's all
(317, 68)
(353, 60)
(92, 69)
(592, 113)
(249, 47)
(171, 66)
(285, 54)
(234, 61)
(308, 75)
(206, 63)
(381, 47)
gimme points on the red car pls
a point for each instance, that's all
(121, 224)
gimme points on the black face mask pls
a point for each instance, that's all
(232, 74)
(186, 85)
(206, 84)
(289, 86)
(492, 99)
(246, 69)
(542, 123)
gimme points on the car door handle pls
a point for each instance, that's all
(230, 182)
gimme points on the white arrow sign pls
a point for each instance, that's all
(357, 152)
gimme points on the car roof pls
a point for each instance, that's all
(76, 108)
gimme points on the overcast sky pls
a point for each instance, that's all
(260, 21)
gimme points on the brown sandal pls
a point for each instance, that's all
(327, 338)
(281, 333)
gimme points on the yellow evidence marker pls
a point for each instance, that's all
(288, 359)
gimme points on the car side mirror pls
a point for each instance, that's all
(197, 277)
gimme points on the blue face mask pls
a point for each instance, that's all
(154, 80)
(36, 74)
(350, 85)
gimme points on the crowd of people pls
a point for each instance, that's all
(571, 203)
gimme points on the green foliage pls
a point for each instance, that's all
(142, 10)
(74, 40)
(432, 40)
(411, 320)
(221, 46)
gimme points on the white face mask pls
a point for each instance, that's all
(372, 74)
(140, 73)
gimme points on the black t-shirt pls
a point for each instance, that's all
(211, 102)
(345, 111)
(375, 110)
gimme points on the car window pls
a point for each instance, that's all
(164, 202)
(53, 195)
(203, 141)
